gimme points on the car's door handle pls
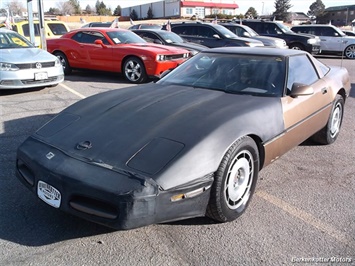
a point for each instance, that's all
(324, 91)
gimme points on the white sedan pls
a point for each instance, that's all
(24, 66)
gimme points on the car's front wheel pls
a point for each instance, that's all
(297, 46)
(134, 70)
(349, 51)
(235, 181)
(64, 61)
(330, 132)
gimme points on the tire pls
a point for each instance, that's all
(330, 132)
(297, 46)
(64, 61)
(134, 70)
(235, 181)
(349, 51)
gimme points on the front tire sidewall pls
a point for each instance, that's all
(335, 120)
(134, 70)
(349, 52)
(330, 132)
(224, 211)
(64, 61)
(297, 46)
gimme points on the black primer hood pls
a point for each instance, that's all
(161, 131)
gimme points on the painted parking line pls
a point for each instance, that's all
(72, 91)
(307, 218)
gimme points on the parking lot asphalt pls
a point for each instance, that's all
(303, 210)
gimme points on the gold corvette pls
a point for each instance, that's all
(191, 144)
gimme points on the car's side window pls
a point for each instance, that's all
(257, 27)
(185, 30)
(242, 32)
(271, 29)
(306, 74)
(26, 29)
(89, 37)
(327, 31)
(57, 29)
(148, 36)
(206, 32)
(152, 37)
(237, 31)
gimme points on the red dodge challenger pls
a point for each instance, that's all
(115, 50)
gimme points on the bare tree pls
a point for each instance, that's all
(15, 7)
(65, 8)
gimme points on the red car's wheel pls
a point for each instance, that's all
(134, 70)
(64, 61)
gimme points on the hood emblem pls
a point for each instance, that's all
(50, 155)
(84, 145)
(38, 65)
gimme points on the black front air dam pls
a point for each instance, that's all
(119, 200)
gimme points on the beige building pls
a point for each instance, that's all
(183, 8)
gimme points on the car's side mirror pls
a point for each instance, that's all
(100, 42)
(299, 89)
(216, 36)
(246, 34)
(158, 41)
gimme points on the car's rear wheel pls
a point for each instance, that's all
(235, 181)
(64, 61)
(134, 70)
(349, 51)
(330, 132)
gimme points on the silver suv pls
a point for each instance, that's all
(332, 39)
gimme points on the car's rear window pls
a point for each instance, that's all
(57, 28)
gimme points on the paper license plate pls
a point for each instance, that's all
(49, 194)
(41, 76)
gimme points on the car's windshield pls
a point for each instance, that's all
(339, 31)
(251, 31)
(283, 27)
(232, 73)
(124, 37)
(13, 40)
(225, 32)
(171, 37)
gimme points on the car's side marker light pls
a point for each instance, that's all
(190, 194)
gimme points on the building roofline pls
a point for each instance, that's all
(205, 4)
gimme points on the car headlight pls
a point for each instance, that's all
(8, 67)
(280, 43)
(160, 57)
(313, 41)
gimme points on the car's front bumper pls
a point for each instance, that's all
(114, 198)
(157, 68)
(31, 78)
(313, 49)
